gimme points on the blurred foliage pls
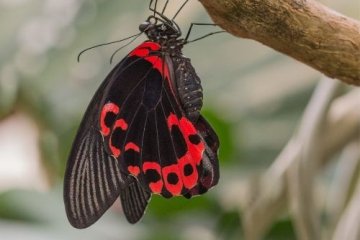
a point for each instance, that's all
(11, 209)
(229, 225)
(282, 230)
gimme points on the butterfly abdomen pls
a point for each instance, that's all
(189, 88)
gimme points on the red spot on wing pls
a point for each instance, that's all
(158, 63)
(173, 188)
(172, 120)
(132, 146)
(120, 123)
(189, 181)
(187, 127)
(144, 51)
(107, 108)
(193, 156)
(155, 187)
(195, 150)
(134, 170)
(115, 151)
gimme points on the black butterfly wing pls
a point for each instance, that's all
(93, 179)
(146, 130)
(195, 146)
(209, 175)
(135, 140)
(134, 200)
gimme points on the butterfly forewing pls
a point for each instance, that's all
(93, 180)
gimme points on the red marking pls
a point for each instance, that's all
(115, 151)
(187, 127)
(120, 123)
(134, 170)
(191, 180)
(152, 165)
(132, 146)
(174, 189)
(159, 65)
(107, 108)
(156, 187)
(172, 120)
(196, 151)
(143, 51)
(194, 154)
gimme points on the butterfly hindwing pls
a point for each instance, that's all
(134, 199)
(92, 180)
(209, 171)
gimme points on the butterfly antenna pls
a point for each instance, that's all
(182, 6)
(155, 7)
(105, 44)
(155, 12)
(135, 37)
(165, 6)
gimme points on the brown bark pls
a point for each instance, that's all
(303, 29)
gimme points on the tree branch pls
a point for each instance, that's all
(303, 29)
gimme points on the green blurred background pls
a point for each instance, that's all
(254, 98)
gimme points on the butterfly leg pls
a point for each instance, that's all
(155, 7)
(162, 12)
(202, 37)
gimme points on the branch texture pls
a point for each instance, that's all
(302, 29)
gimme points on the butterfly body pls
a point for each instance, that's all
(187, 82)
(142, 134)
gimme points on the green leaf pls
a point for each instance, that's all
(169, 208)
(12, 207)
(229, 225)
(282, 230)
(8, 91)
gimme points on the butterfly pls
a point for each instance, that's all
(142, 133)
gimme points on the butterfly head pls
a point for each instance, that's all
(160, 29)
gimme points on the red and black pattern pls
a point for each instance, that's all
(137, 138)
